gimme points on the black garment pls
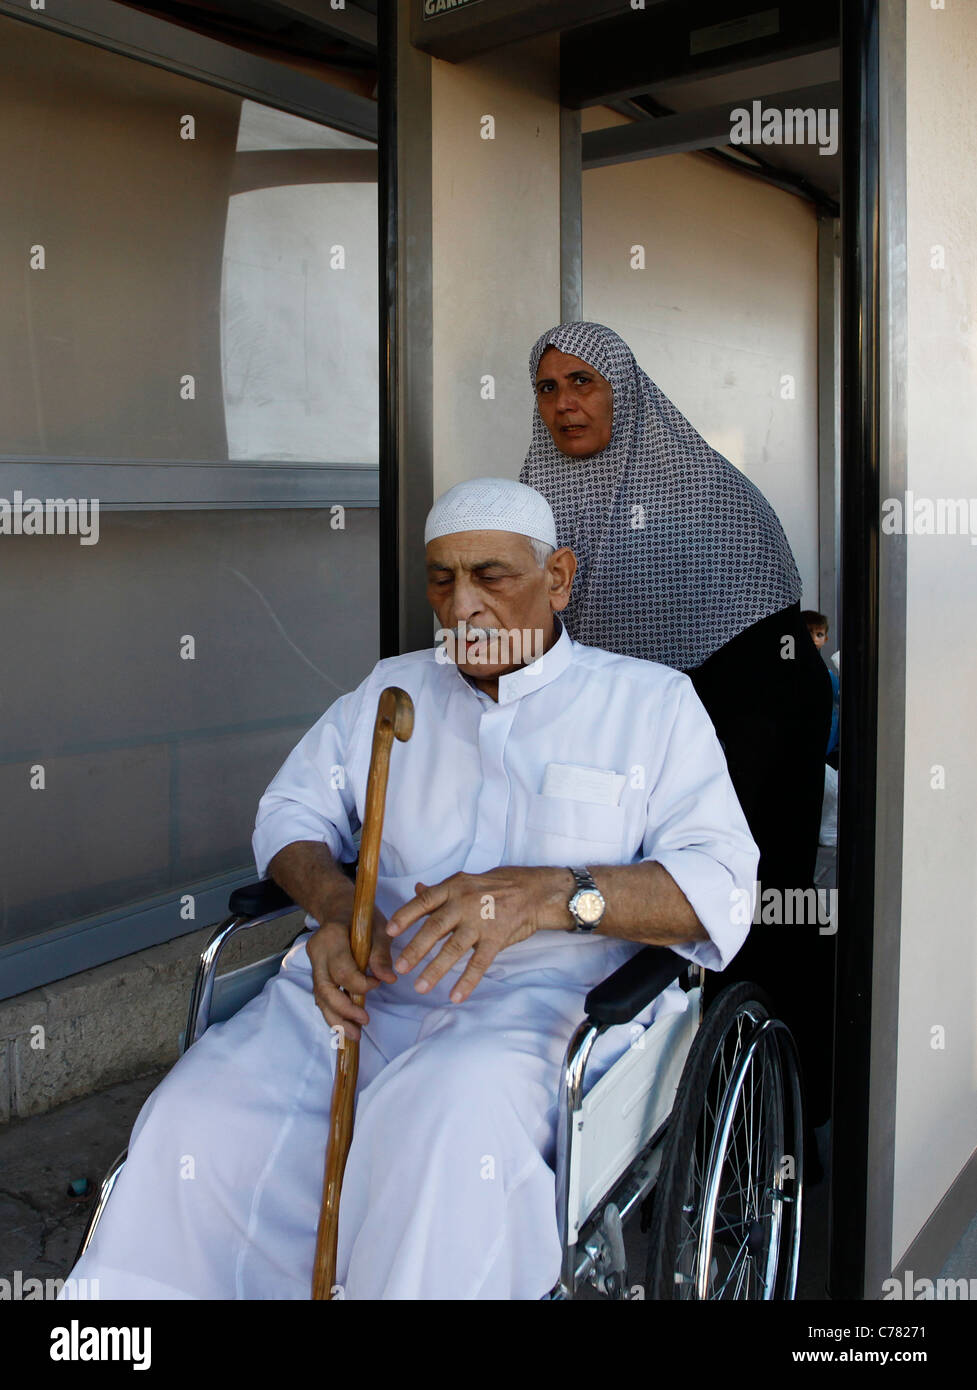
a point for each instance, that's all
(772, 713)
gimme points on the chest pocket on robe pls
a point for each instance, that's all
(560, 831)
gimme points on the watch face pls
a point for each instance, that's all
(590, 906)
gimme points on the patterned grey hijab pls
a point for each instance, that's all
(677, 550)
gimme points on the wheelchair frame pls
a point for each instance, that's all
(591, 1235)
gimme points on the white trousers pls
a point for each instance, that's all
(449, 1190)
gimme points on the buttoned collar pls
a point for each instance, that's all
(527, 679)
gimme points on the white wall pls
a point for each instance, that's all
(299, 306)
(724, 309)
(496, 251)
(936, 1101)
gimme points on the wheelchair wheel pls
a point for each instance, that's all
(725, 1211)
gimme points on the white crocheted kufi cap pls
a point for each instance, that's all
(492, 504)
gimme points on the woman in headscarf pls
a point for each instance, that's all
(682, 560)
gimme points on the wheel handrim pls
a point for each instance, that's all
(731, 1226)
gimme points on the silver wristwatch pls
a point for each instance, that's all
(587, 905)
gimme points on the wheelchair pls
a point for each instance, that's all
(692, 1140)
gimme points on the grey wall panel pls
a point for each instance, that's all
(152, 763)
(215, 788)
(99, 826)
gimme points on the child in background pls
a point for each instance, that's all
(817, 626)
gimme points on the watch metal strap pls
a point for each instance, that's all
(584, 879)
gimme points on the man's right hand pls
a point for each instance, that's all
(334, 971)
(312, 878)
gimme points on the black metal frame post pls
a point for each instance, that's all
(387, 189)
(860, 383)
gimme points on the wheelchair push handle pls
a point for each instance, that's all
(395, 719)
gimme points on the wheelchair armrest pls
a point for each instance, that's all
(633, 985)
(259, 899)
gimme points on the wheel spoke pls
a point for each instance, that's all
(736, 1260)
(740, 1229)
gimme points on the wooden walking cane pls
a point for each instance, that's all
(395, 719)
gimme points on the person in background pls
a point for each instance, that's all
(682, 560)
(817, 626)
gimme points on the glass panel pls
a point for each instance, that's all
(203, 299)
(299, 302)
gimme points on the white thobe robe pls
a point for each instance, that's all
(586, 758)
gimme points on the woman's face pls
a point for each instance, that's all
(575, 403)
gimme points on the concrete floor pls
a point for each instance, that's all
(40, 1226)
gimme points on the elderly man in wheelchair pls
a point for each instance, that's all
(560, 818)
